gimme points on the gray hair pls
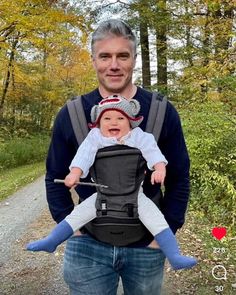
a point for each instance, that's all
(113, 27)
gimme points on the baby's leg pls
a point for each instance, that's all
(82, 214)
(150, 215)
(155, 222)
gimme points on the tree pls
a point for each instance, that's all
(144, 44)
(36, 39)
(161, 44)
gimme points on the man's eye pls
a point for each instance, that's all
(124, 57)
(104, 57)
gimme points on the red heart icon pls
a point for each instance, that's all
(219, 232)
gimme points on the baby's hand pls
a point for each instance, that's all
(71, 179)
(159, 174)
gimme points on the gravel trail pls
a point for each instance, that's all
(17, 212)
(25, 217)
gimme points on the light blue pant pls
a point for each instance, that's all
(92, 267)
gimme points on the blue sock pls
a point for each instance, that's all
(59, 234)
(168, 244)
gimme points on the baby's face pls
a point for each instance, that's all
(114, 124)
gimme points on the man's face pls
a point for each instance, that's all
(114, 61)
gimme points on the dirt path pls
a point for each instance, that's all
(24, 216)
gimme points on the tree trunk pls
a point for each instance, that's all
(161, 47)
(189, 44)
(8, 76)
(146, 74)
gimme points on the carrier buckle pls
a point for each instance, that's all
(104, 207)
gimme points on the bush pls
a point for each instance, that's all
(22, 151)
(210, 134)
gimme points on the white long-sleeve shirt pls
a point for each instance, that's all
(136, 138)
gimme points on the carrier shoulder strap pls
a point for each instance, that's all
(154, 123)
(78, 119)
(156, 115)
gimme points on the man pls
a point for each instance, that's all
(90, 266)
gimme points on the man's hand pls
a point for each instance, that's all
(153, 245)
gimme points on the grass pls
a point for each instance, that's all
(13, 179)
(17, 152)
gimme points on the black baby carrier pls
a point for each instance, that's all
(122, 169)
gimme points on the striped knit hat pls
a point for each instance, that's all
(129, 108)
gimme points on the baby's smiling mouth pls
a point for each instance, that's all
(114, 131)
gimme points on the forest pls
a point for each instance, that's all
(187, 50)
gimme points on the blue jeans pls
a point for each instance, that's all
(92, 267)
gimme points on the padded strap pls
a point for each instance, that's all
(78, 119)
(156, 115)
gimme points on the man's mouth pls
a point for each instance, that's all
(114, 76)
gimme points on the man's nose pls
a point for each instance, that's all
(114, 63)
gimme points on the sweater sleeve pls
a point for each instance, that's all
(62, 148)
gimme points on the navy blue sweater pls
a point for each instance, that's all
(171, 142)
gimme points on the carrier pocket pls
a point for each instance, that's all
(116, 231)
